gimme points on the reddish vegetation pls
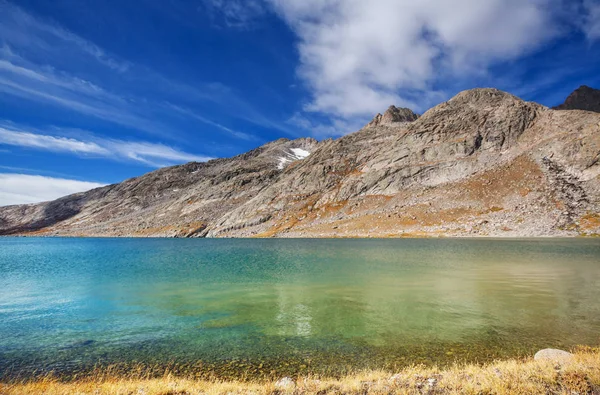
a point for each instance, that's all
(482, 196)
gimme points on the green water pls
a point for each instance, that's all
(245, 308)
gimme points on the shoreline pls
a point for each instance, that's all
(378, 237)
(579, 374)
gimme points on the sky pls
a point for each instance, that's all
(94, 92)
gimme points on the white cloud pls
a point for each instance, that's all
(49, 143)
(358, 57)
(23, 188)
(152, 154)
(592, 19)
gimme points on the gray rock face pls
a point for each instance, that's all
(551, 354)
(485, 163)
(583, 98)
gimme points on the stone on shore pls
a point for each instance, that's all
(551, 354)
(285, 383)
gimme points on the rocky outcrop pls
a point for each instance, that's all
(484, 163)
(583, 98)
(393, 115)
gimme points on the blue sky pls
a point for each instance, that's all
(95, 92)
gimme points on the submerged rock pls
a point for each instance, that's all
(551, 354)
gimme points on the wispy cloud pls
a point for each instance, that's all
(24, 79)
(189, 113)
(42, 62)
(34, 35)
(591, 24)
(151, 154)
(240, 14)
(322, 128)
(36, 171)
(24, 188)
(49, 143)
(47, 75)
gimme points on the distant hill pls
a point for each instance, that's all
(484, 163)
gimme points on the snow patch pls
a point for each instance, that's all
(300, 153)
(294, 155)
(282, 162)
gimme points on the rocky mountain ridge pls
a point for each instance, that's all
(484, 163)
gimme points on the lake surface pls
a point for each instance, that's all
(272, 307)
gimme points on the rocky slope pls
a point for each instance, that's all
(174, 201)
(485, 163)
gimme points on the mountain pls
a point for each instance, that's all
(484, 163)
(583, 98)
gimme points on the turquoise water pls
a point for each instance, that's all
(270, 307)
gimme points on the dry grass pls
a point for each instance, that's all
(578, 376)
(522, 176)
(590, 222)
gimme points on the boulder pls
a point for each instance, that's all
(551, 354)
(285, 383)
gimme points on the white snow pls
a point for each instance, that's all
(300, 153)
(282, 162)
(293, 155)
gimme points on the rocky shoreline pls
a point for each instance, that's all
(550, 371)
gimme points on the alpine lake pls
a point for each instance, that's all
(262, 308)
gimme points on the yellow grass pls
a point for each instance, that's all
(581, 375)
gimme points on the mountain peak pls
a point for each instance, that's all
(393, 115)
(483, 96)
(582, 98)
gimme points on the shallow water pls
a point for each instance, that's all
(272, 307)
